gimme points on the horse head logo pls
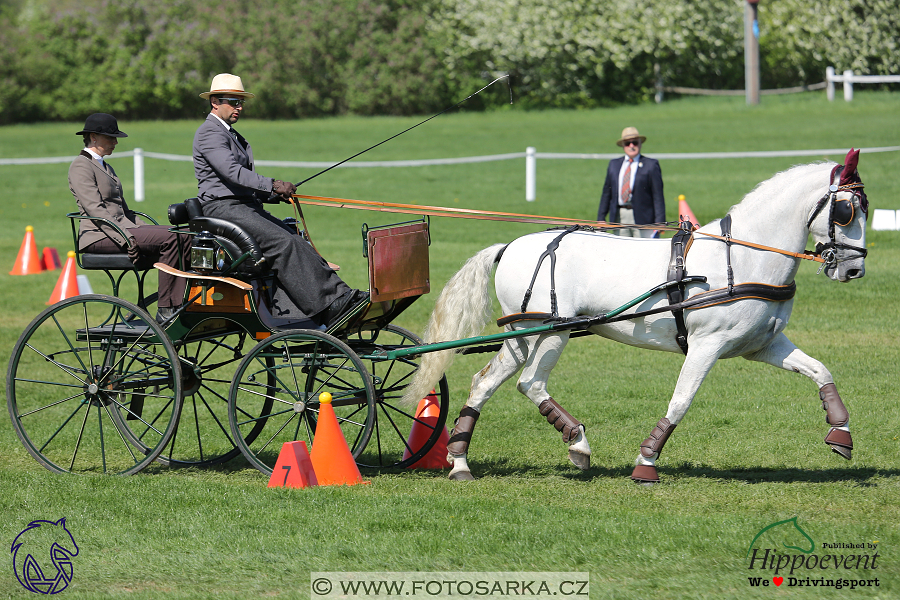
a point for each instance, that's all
(42, 556)
(787, 528)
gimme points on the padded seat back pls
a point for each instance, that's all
(231, 237)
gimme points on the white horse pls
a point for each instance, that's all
(597, 272)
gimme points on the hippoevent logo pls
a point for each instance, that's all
(783, 553)
(42, 556)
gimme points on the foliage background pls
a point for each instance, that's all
(63, 59)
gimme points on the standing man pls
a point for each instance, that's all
(229, 189)
(633, 190)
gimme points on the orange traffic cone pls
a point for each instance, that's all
(426, 419)
(67, 284)
(293, 468)
(331, 457)
(50, 259)
(685, 212)
(27, 262)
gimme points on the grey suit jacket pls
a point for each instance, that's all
(223, 165)
(99, 194)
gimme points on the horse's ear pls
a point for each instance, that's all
(850, 162)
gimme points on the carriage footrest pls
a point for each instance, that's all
(130, 332)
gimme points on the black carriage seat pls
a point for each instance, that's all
(232, 237)
(92, 261)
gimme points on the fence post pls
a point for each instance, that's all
(657, 74)
(829, 83)
(138, 175)
(848, 85)
(530, 167)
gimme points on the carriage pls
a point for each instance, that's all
(95, 384)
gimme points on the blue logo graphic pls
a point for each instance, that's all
(42, 556)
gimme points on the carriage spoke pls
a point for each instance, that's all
(61, 427)
(51, 405)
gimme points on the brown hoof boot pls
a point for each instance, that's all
(580, 460)
(461, 476)
(840, 442)
(645, 474)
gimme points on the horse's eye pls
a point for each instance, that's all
(842, 214)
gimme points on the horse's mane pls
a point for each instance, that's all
(800, 181)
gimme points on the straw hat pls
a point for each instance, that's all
(102, 123)
(629, 133)
(226, 84)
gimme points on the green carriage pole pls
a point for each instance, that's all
(574, 323)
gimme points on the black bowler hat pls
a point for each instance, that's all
(102, 123)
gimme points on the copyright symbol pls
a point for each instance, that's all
(321, 586)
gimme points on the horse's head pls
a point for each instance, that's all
(837, 222)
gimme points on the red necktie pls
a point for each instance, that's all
(626, 184)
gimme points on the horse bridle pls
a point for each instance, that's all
(841, 213)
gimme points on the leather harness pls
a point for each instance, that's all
(681, 243)
(674, 286)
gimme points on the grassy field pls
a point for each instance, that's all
(749, 453)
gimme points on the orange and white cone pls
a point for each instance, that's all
(28, 262)
(685, 212)
(427, 415)
(67, 284)
(331, 457)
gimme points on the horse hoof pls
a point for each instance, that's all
(461, 476)
(840, 441)
(645, 474)
(580, 460)
(844, 452)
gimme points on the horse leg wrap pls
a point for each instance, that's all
(645, 474)
(462, 431)
(836, 413)
(837, 416)
(658, 437)
(559, 418)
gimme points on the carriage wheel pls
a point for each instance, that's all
(275, 394)
(83, 376)
(203, 437)
(390, 444)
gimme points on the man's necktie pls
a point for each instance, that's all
(625, 198)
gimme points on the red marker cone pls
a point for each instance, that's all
(27, 262)
(427, 415)
(50, 259)
(293, 468)
(685, 212)
(331, 457)
(67, 284)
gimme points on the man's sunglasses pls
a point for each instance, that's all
(631, 143)
(235, 102)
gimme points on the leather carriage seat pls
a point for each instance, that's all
(233, 238)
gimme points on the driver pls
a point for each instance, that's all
(229, 189)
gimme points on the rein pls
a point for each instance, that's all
(464, 213)
(804, 255)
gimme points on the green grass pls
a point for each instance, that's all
(748, 454)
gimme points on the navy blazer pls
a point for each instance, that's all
(647, 199)
(224, 165)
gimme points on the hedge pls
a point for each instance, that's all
(62, 59)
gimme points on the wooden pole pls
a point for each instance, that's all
(751, 52)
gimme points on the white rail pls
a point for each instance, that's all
(848, 79)
(530, 155)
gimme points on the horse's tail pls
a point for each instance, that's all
(462, 310)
